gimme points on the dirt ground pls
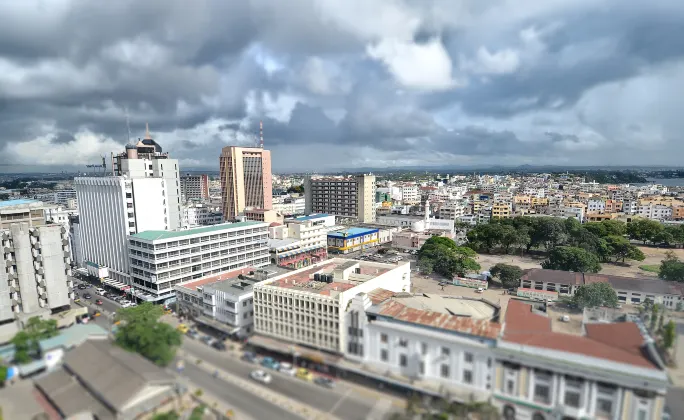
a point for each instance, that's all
(630, 269)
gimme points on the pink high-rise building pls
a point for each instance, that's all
(245, 180)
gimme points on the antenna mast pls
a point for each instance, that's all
(261, 134)
(128, 125)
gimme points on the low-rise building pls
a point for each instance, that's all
(221, 302)
(501, 210)
(441, 344)
(262, 215)
(630, 290)
(352, 240)
(162, 259)
(301, 241)
(307, 306)
(201, 215)
(608, 372)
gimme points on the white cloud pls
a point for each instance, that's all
(420, 66)
(485, 62)
(87, 148)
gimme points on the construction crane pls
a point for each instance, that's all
(103, 165)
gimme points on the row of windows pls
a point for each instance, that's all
(208, 238)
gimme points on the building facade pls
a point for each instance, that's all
(194, 187)
(352, 240)
(31, 212)
(307, 306)
(300, 242)
(161, 260)
(352, 197)
(245, 174)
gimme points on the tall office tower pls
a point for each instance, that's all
(33, 276)
(245, 180)
(352, 197)
(146, 159)
(194, 187)
(143, 194)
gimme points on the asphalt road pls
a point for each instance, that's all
(242, 400)
(342, 402)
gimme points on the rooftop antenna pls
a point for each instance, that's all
(147, 132)
(128, 125)
(261, 134)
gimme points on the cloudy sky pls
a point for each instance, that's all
(344, 83)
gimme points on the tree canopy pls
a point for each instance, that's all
(447, 258)
(570, 258)
(142, 332)
(671, 268)
(26, 341)
(595, 295)
(509, 275)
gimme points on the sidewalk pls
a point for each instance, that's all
(212, 402)
(281, 401)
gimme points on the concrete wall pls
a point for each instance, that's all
(25, 269)
(151, 204)
(5, 301)
(54, 266)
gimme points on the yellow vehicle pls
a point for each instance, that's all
(182, 328)
(168, 311)
(304, 374)
(97, 313)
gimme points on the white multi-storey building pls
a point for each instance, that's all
(33, 277)
(289, 206)
(441, 344)
(655, 211)
(451, 211)
(162, 259)
(111, 208)
(201, 215)
(307, 306)
(194, 187)
(596, 206)
(410, 194)
(630, 207)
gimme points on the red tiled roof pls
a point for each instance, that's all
(482, 328)
(618, 342)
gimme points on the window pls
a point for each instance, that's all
(383, 355)
(642, 409)
(445, 351)
(468, 376)
(403, 360)
(403, 342)
(423, 348)
(573, 392)
(605, 397)
(542, 386)
(244, 303)
(421, 367)
(468, 357)
(383, 338)
(444, 371)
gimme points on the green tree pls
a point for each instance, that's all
(142, 332)
(645, 230)
(509, 275)
(425, 266)
(299, 189)
(669, 334)
(654, 316)
(26, 342)
(171, 415)
(447, 258)
(621, 248)
(595, 295)
(3, 376)
(550, 232)
(568, 258)
(671, 268)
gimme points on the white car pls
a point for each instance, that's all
(100, 291)
(261, 376)
(287, 369)
(126, 304)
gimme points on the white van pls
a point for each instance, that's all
(100, 291)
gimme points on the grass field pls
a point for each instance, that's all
(651, 268)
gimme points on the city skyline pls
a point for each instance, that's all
(431, 83)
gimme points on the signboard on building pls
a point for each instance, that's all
(472, 283)
(537, 294)
(96, 270)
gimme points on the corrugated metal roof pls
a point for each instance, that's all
(153, 235)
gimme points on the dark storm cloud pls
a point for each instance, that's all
(204, 74)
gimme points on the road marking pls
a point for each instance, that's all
(379, 410)
(337, 404)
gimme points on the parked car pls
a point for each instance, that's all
(81, 286)
(219, 345)
(100, 291)
(287, 369)
(182, 328)
(304, 374)
(96, 314)
(87, 296)
(98, 302)
(192, 334)
(479, 290)
(208, 340)
(261, 376)
(249, 356)
(270, 363)
(325, 382)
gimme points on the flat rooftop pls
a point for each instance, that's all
(459, 306)
(353, 231)
(303, 281)
(228, 275)
(18, 202)
(154, 235)
(311, 217)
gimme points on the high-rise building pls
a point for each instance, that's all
(352, 197)
(245, 180)
(143, 194)
(194, 187)
(33, 276)
(31, 212)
